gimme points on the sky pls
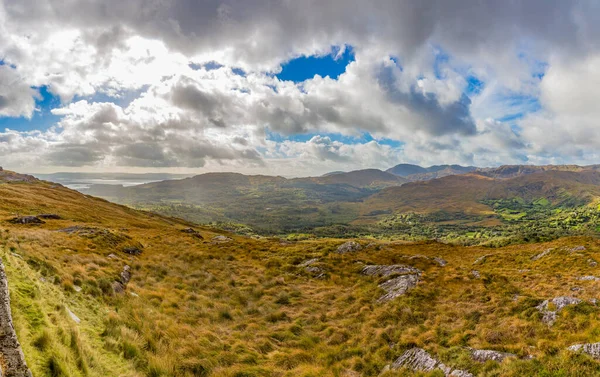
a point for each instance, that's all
(296, 88)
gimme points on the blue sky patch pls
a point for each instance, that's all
(42, 118)
(306, 67)
(474, 86)
(364, 138)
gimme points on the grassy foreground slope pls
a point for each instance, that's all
(247, 307)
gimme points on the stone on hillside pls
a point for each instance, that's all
(193, 232)
(559, 303)
(482, 259)
(125, 275)
(132, 250)
(476, 274)
(26, 220)
(576, 248)
(592, 263)
(349, 247)
(484, 355)
(308, 262)
(72, 315)
(542, 254)
(592, 349)
(112, 256)
(49, 216)
(77, 288)
(419, 360)
(221, 239)
(118, 287)
(440, 261)
(397, 287)
(386, 270)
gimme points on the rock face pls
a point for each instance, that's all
(10, 349)
(349, 247)
(383, 270)
(124, 278)
(559, 303)
(592, 349)
(396, 286)
(419, 360)
(26, 220)
(484, 355)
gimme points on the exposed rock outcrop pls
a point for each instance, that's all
(13, 364)
(132, 250)
(49, 216)
(592, 349)
(559, 303)
(542, 254)
(221, 239)
(386, 270)
(419, 360)
(397, 285)
(476, 274)
(482, 259)
(588, 278)
(193, 232)
(349, 247)
(315, 271)
(484, 355)
(442, 262)
(26, 220)
(124, 278)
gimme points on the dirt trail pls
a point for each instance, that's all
(12, 360)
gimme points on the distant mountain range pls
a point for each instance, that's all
(276, 204)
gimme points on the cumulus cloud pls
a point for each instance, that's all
(410, 82)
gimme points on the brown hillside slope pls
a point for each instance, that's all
(464, 193)
(243, 307)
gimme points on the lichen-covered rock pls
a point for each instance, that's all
(592, 349)
(419, 360)
(386, 270)
(577, 248)
(484, 355)
(476, 274)
(398, 286)
(440, 261)
(592, 263)
(12, 355)
(559, 303)
(349, 247)
(542, 254)
(26, 220)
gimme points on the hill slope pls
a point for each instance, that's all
(205, 303)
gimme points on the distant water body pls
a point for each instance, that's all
(82, 182)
